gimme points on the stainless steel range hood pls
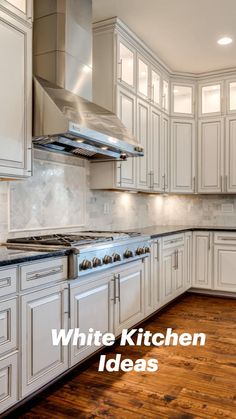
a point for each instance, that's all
(65, 119)
(66, 122)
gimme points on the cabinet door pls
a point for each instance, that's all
(230, 155)
(210, 156)
(155, 152)
(143, 138)
(182, 99)
(231, 96)
(225, 268)
(149, 284)
(143, 77)
(16, 103)
(155, 87)
(126, 111)
(210, 98)
(126, 63)
(156, 260)
(165, 138)
(188, 259)
(182, 156)
(8, 381)
(129, 307)
(165, 95)
(168, 274)
(8, 325)
(91, 307)
(202, 259)
(43, 311)
(180, 271)
(21, 8)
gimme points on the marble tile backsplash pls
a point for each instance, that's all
(58, 197)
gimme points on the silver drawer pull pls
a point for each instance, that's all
(5, 282)
(43, 274)
(227, 238)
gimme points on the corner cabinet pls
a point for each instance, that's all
(16, 94)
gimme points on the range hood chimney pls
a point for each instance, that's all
(65, 119)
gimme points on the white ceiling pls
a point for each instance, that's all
(183, 33)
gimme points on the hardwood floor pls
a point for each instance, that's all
(192, 382)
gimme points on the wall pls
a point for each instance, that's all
(58, 198)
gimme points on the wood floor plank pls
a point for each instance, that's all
(192, 382)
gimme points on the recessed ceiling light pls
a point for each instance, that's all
(226, 40)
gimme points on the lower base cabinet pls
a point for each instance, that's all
(8, 381)
(129, 306)
(224, 261)
(202, 259)
(43, 311)
(91, 308)
(173, 273)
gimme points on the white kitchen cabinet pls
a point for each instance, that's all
(22, 9)
(210, 98)
(202, 259)
(143, 77)
(183, 178)
(16, 97)
(8, 381)
(129, 307)
(188, 249)
(143, 126)
(230, 155)
(153, 279)
(91, 307)
(118, 175)
(165, 95)
(210, 155)
(173, 267)
(42, 311)
(182, 99)
(224, 267)
(231, 96)
(155, 151)
(165, 147)
(155, 85)
(126, 59)
(8, 325)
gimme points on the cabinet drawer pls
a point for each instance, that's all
(8, 322)
(7, 281)
(225, 237)
(173, 241)
(8, 381)
(44, 272)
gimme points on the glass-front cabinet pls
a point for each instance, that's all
(126, 64)
(182, 99)
(155, 87)
(231, 96)
(143, 77)
(210, 99)
(165, 95)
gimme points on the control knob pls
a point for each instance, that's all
(96, 262)
(86, 264)
(147, 249)
(116, 257)
(107, 259)
(128, 254)
(140, 251)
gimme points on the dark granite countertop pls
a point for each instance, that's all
(158, 231)
(10, 256)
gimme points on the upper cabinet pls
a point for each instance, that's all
(23, 9)
(155, 84)
(126, 63)
(143, 77)
(210, 99)
(165, 95)
(16, 97)
(231, 96)
(182, 99)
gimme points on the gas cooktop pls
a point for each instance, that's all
(74, 239)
